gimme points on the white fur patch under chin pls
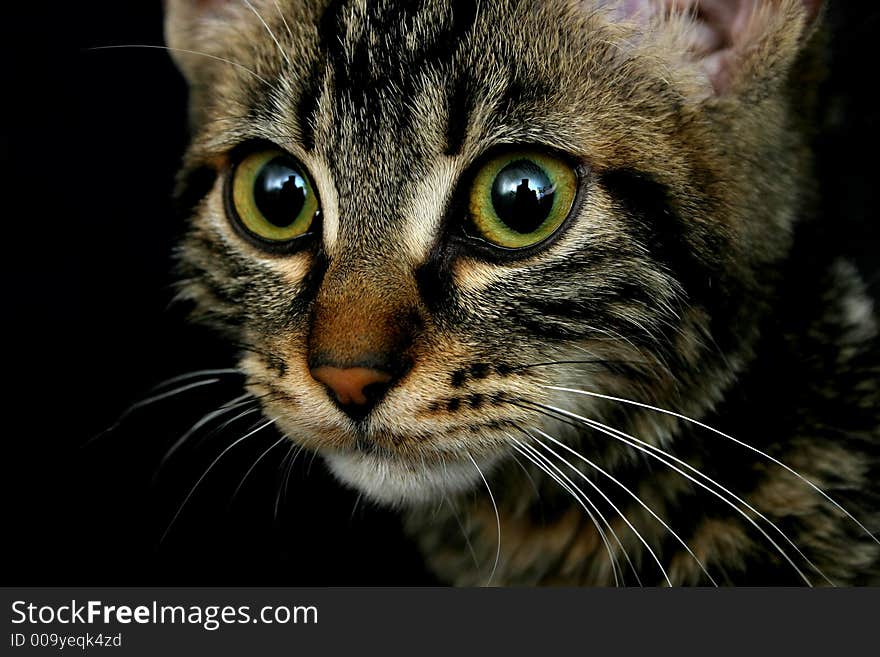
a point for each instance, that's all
(394, 483)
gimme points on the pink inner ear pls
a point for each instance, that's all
(718, 22)
(721, 27)
(723, 15)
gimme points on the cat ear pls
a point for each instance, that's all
(194, 29)
(736, 42)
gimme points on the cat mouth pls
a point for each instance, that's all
(390, 479)
(394, 457)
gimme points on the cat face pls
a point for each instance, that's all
(415, 219)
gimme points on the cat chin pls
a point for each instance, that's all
(396, 483)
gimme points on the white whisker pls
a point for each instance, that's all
(295, 450)
(230, 421)
(269, 30)
(651, 450)
(528, 476)
(575, 490)
(354, 507)
(735, 440)
(188, 52)
(208, 470)
(283, 19)
(196, 373)
(467, 539)
(152, 400)
(226, 408)
(627, 490)
(445, 478)
(263, 455)
(612, 559)
(497, 520)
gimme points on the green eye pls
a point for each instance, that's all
(273, 196)
(521, 198)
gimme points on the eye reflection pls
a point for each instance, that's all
(280, 192)
(522, 196)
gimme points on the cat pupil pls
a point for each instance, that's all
(522, 196)
(280, 193)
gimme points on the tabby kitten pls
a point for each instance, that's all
(541, 275)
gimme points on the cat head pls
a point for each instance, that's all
(417, 219)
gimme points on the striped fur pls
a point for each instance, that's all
(686, 278)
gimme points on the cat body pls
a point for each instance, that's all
(666, 381)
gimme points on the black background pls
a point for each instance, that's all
(90, 143)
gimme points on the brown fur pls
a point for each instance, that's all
(694, 189)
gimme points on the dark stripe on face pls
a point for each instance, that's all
(524, 91)
(448, 37)
(307, 106)
(596, 315)
(330, 29)
(371, 68)
(302, 303)
(461, 96)
(434, 281)
(695, 254)
(225, 302)
(662, 231)
(460, 107)
(329, 25)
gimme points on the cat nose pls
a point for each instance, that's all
(356, 389)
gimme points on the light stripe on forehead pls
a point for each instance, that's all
(427, 207)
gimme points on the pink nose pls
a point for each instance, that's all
(349, 383)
